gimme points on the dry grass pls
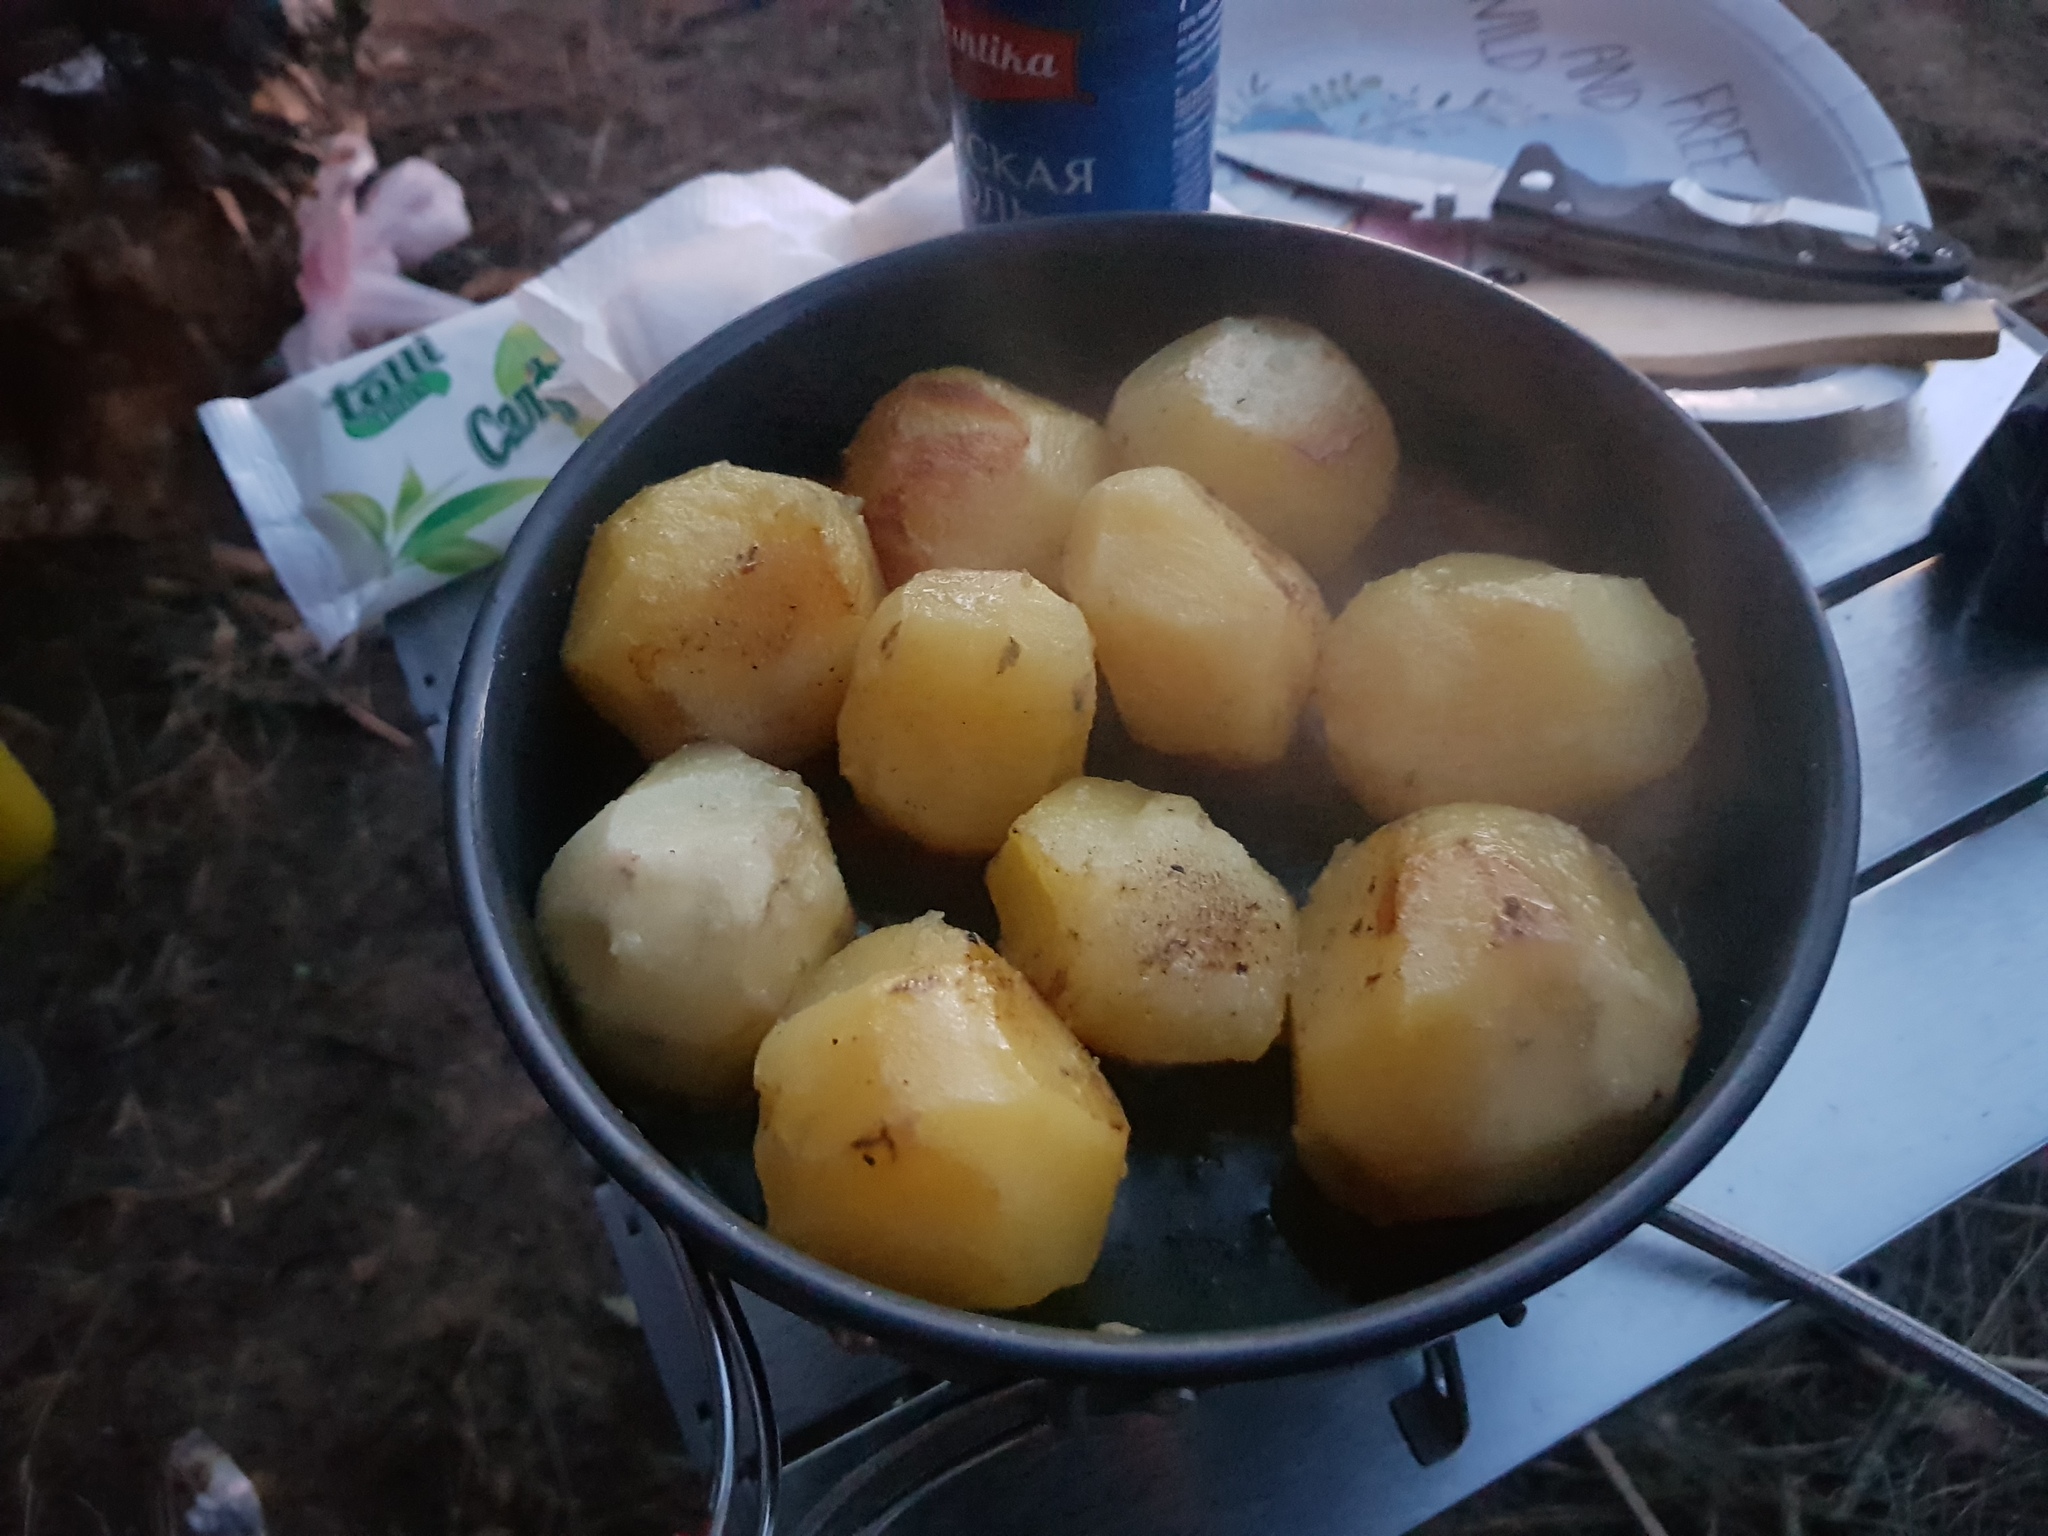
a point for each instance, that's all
(295, 1192)
(1794, 1428)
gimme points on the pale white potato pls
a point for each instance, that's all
(958, 470)
(1276, 422)
(683, 915)
(928, 1124)
(1206, 631)
(1146, 926)
(723, 605)
(1485, 1016)
(973, 694)
(1479, 677)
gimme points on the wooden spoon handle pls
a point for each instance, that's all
(1682, 333)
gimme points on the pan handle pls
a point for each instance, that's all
(957, 1429)
(705, 1355)
(743, 1388)
(1906, 1339)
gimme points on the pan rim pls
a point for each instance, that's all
(811, 1288)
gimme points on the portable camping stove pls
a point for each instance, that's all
(1923, 1073)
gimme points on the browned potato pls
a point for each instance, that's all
(1207, 633)
(683, 915)
(1277, 422)
(1147, 927)
(973, 694)
(958, 470)
(927, 1123)
(723, 605)
(1485, 1016)
(1479, 677)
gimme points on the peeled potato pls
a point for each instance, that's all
(1276, 422)
(1479, 677)
(1146, 926)
(896, 950)
(684, 914)
(958, 470)
(1207, 633)
(927, 1123)
(973, 694)
(724, 606)
(1485, 1017)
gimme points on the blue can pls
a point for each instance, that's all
(1082, 106)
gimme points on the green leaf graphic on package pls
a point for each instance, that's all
(524, 363)
(373, 539)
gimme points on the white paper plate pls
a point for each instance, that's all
(1735, 92)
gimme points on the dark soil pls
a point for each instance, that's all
(294, 1191)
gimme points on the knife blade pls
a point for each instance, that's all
(1790, 243)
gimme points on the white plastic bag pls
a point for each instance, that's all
(921, 205)
(675, 298)
(350, 252)
(661, 280)
(664, 278)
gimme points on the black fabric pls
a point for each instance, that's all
(1994, 529)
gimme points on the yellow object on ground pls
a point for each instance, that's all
(28, 828)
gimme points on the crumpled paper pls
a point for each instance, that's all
(662, 279)
(351, 249)
(208, 1494)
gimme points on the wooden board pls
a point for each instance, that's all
(1681, 333)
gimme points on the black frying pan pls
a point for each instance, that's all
(1520, 437)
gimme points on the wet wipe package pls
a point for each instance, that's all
(373, 480)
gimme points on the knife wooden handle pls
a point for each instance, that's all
(1687, 334)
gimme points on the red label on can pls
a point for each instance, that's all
(996, 59)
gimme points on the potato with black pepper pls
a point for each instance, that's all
(1481, 677)
(1146, 926)
(723, 606)
(960, 471)
(685, 913)
(1276, 422)
(928, 1124)
(973, 694)
(1207, 631)
(1485, 1016)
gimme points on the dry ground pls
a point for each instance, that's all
(294, 1191)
